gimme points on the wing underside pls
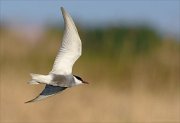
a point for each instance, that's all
(70, 49)
(48, 91)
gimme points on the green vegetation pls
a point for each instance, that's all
(112, 40)
(133, 74)
(117, 55)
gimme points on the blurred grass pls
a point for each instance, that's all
(134, 74)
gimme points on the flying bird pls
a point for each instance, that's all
(61, 77)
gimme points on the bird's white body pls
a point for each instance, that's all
(60, 77)
(69, 52)
(48, 79)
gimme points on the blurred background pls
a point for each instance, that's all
(131, 57)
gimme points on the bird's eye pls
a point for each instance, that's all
(79, 78)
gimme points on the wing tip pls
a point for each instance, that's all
(30, 101)
(33, 100)
(66, 15)
(63, 10)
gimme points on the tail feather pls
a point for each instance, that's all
(34, 78)
(38, 78)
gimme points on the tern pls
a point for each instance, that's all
(61, 77)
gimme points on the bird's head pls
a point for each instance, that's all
(79, 80)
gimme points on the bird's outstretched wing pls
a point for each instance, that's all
(48, 91)
(70, 49)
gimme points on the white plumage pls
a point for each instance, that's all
(61, 76)
(70, 49)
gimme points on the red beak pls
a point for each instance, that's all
(85, 82)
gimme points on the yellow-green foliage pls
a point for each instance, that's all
(115, 54)
(133, 74)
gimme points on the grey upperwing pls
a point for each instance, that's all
(63, 80)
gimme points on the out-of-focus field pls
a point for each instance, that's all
(134, 76)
